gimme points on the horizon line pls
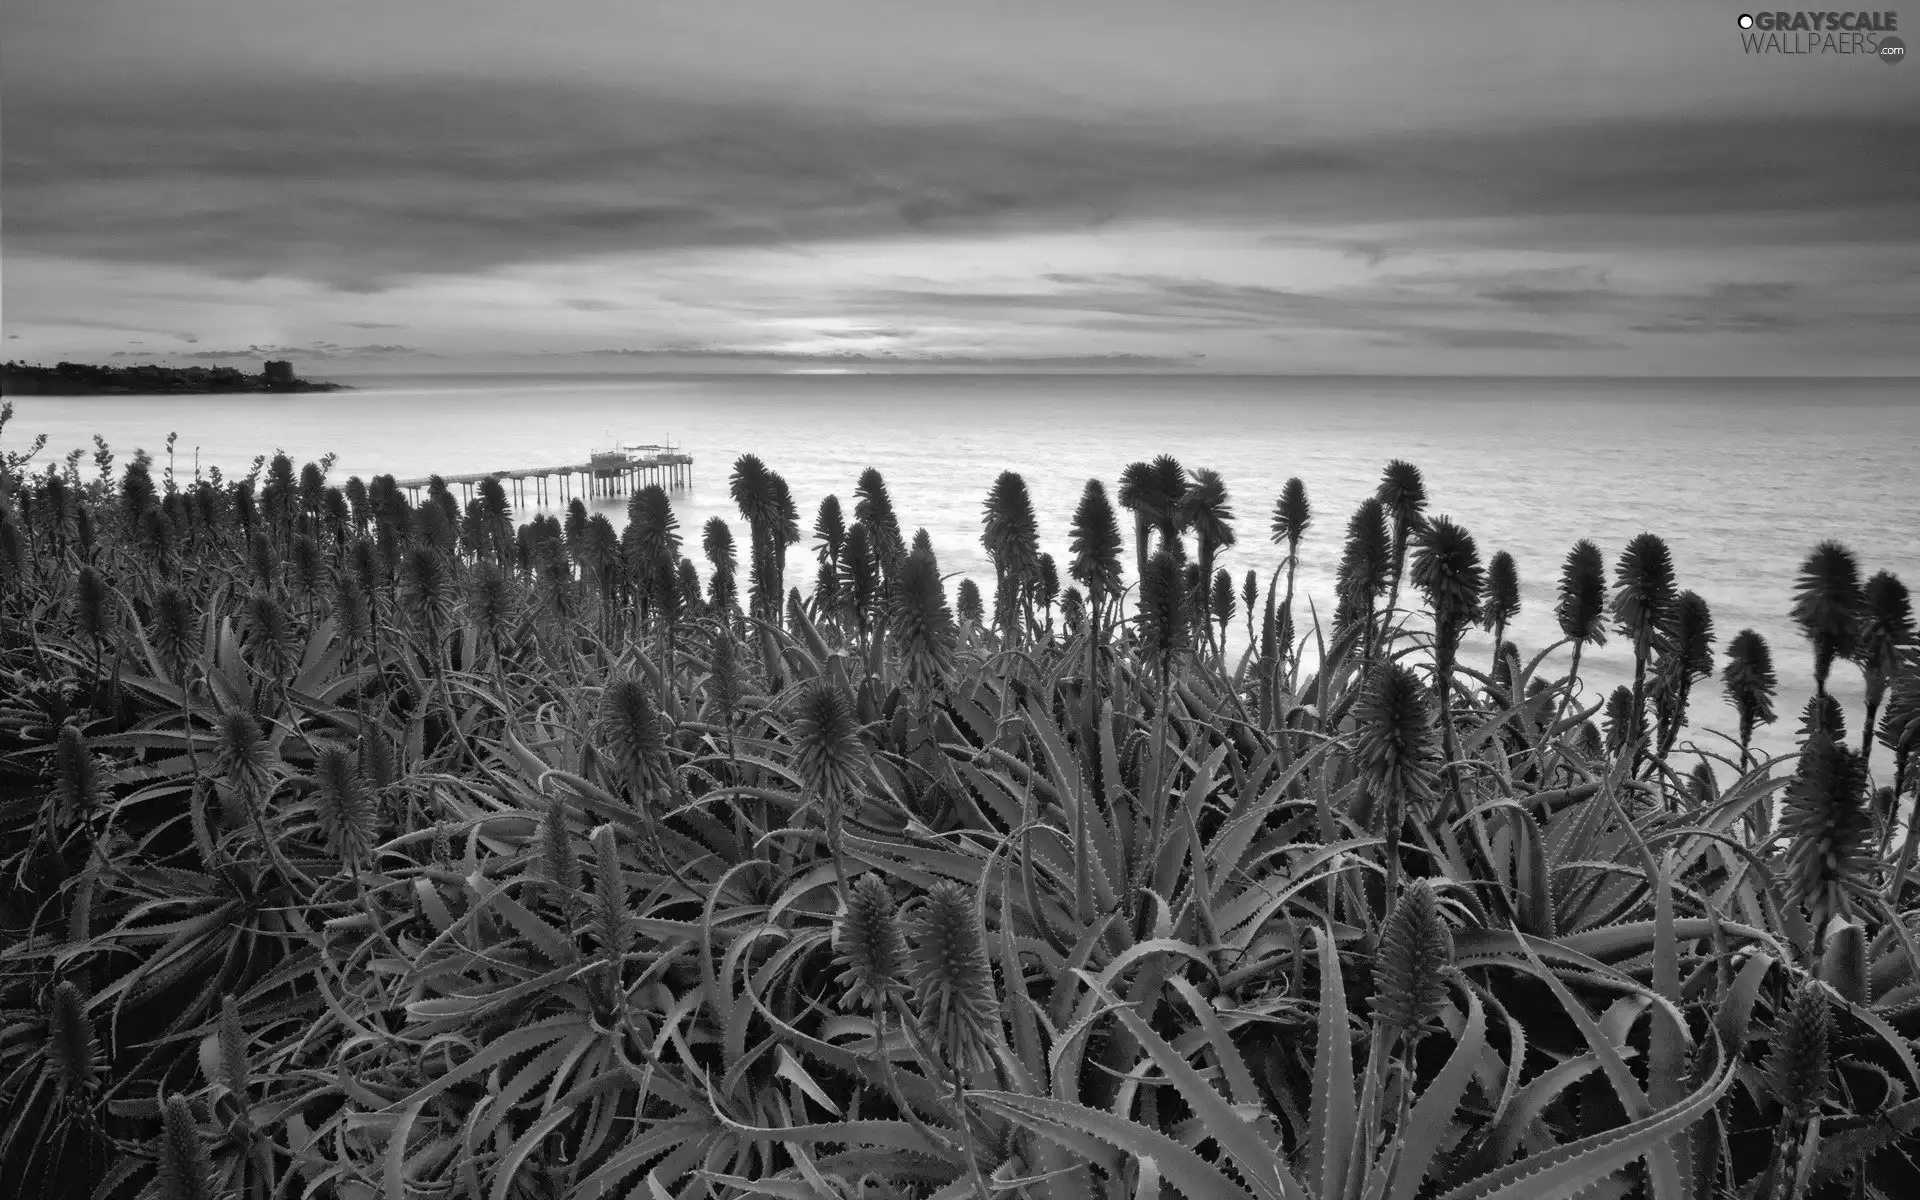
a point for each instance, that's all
(1145, 374)
(1041, 373)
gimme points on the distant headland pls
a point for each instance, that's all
(83, 379)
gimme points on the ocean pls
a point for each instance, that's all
(1742, 477)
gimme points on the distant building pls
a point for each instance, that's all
(278, 371)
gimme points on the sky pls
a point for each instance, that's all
(1479, 187)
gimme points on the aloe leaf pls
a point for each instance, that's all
(1614, 943)
(791, 1071)
(394, 1178)
(1257, 1160)
(1632, 1099)
(1505, 1136)
(1140, 951)
(1019, 1006)
(662, 1138)
(1334, 1105)
(1668, 1165)
(1073, 1124)
(1848, 1149)
(1532, 880)
(553, 945)
(508, 1167)
(892, 1135)
(1235, 836)
(1241, 1088)
(1252, 908)
(1568, 1170)
(1888, 1034)
(781, 1189)
(497, 1054)
(1734, 1015)
(1433, 1112)
(1147, 1182)
(1174, 848)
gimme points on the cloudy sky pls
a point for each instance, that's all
(1215, 185)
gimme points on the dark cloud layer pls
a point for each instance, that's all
(1522, 309)
(360, 186)
(322, 351)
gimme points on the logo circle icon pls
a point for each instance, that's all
(1892, 50)
(1746, 20)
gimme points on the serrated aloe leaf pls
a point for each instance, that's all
(1335, 1107)
(1566, 1171)
(1433, 1112)
(1257, 1160)
(1195, 1177)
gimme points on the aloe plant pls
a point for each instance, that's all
(1501, 602)
(1797, 1077)
(1073, 610)
(832, 762)
(1644, 596)
(404, 860)
(1686, 658)
(185, 1167)
(922, 626)
(1250, 603)
(1830, 829)
(1827, 605)
(1095, 543)
(1153, 492)
(1886, 633)
(1900, 733)
(1622, 720)
(752, 490)
(1396, 752)
(1750, 685)
(1207, 511)
(971, 609)
(1220, 606)
(873, 508)
(1366, 570)
(1292, 515)
(1403, 495)
(1011, 536)
(1446, 569)
(862, 580)
(1165, 632)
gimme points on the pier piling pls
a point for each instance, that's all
(605, 475)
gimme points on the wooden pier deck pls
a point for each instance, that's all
(599, 477)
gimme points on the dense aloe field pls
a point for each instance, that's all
(356, 849)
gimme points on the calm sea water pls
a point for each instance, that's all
(1741, 477)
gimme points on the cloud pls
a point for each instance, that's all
(359, 187)
(1559, 290)
(324, 351)
(865, 333)
(1512, 339)
(1485, 309)
(1137, 302)
(845, 359)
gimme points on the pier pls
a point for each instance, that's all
(606, 473)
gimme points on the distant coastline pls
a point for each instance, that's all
(84, 379)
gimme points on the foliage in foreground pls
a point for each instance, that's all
(360, 849)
